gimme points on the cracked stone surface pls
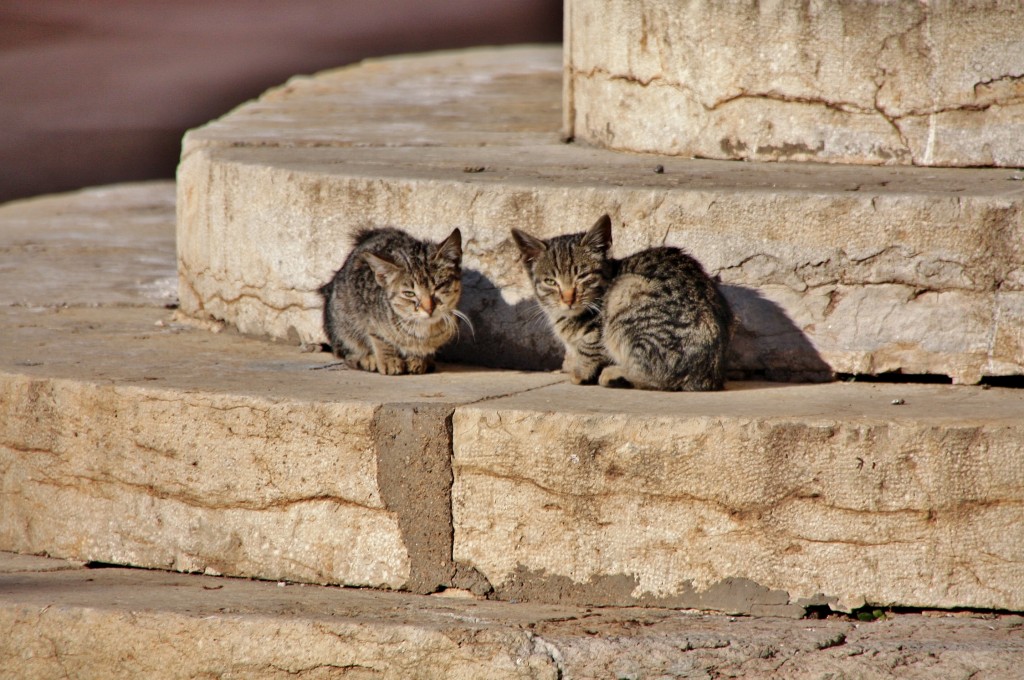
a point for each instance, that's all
(129, 437)
(801, 490)
(848, 269)
(61, 620)
(893, 82)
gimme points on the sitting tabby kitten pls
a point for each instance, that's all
(654, 320)
(391, 306)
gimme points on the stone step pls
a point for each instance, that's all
(831, 268)
(62, 620)
(128, 437)
(881, 83)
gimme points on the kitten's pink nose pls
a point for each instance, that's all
(569, 296)
(427, 304)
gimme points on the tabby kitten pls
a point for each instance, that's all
(391, 306)
(654, 320)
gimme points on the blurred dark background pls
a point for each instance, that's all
(101, 91)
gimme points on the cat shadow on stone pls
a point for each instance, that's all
(767, 344)
(503, 335)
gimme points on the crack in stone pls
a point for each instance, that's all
(550, 651)
(841, 106)
(749, 511)
(197, 501)
(855, 271)
(513, 393)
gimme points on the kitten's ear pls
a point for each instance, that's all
(383, 269)
(599, 237)
(451, 248)
(530, 246)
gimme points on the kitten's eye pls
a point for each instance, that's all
(409, 294)
(550, 282)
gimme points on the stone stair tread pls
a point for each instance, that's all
(148, 348)
(830, 268)
(63, 619)
(498, 109)
(129, 437)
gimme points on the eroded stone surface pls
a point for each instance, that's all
(87, 623)
(893, 82)
(127, 438)
(830, 268)
(803, 491)
(109, 245)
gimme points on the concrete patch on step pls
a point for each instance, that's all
(413, 447)
(730, 596)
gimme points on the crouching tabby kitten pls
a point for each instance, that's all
(391, 306)
(654, 320)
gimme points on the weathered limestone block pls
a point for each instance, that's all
(750, 501)
(167, 626)
(126, 439)
(85, 623)
(241, 486)
(890, 82)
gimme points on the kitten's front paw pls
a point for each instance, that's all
(392, 366)
(582, 376)
(613, 376)
(419, 365)
(568, 365)
(367, 362)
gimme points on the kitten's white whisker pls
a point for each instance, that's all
(465, 319)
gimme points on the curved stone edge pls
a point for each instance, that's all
(770, 506)
(822, 283)
(146, 443)
(91, 623)
(848, 82)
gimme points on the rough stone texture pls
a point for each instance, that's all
(162, 446)
(803, 491)
(120, 623)
(100, 246)
(847, 269)
(126, 437)
(888, 82)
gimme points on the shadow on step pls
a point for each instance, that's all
(512, 336)
(766, 344)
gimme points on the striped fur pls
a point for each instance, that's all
(654, 320)
(392, 304)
